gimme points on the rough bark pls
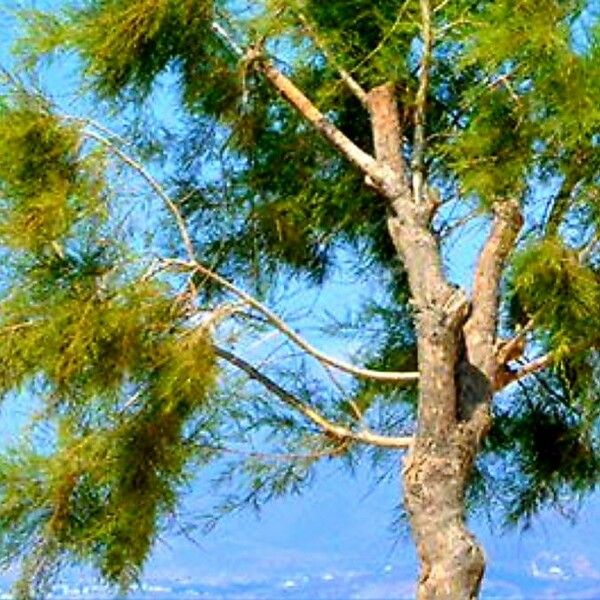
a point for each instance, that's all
(439, 465)
(457, 365)
(435, 478)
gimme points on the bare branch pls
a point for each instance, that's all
(156, 187)
(281, 325)
(254, 56)
(539, 364)
(509, 350)
(480, 329)
(292, 94)
(227, 39)
(195, 266)
(418, 162)
(338, 431)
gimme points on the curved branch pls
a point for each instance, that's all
(194, 265)
(338, 431)
(156, 187)
(281, 325)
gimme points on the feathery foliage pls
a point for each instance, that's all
(117, 335)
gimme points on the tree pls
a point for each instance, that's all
(299, 134)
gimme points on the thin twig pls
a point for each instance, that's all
(278, 456)
(418, 162)
(153, 183)
(384, 39)
(588, 249)
(345, 75)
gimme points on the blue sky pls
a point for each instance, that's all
(337, 539)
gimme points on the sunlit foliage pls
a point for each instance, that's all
(120, 355)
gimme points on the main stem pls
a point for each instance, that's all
(452, 419)
(457, 366)
(452, 561)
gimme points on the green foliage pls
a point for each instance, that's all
(550, 283)
(101, 496)
(117, 359)
(493, 143)
(124, 371)
(126, 45)
(551, 434)
(117, 368)
(45, 187)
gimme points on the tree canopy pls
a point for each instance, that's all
(222, 151)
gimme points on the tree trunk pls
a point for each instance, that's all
(457, 365)
(435, 478)
(453, 418)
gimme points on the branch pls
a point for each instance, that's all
(329, 428)
(480, 329)
(418, 162)
(377, 173)
(588, 249)
(281, 325)
(156, 187)
(194, 265)
(509, 350)
(539, 364)
(387, 130)
(288, 90)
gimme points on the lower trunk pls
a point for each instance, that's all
(435, 479)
